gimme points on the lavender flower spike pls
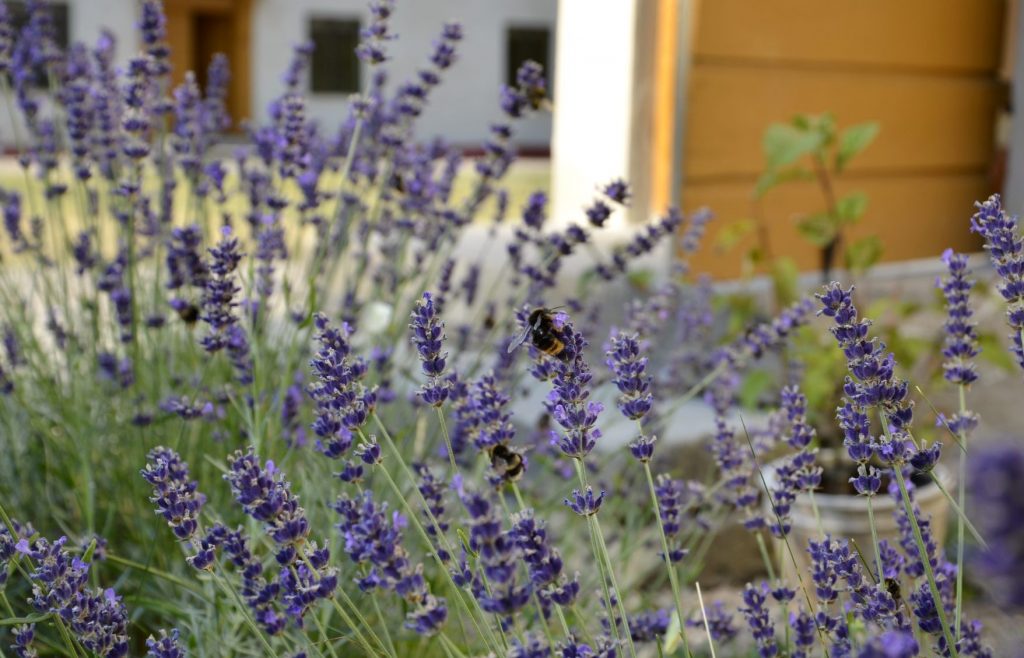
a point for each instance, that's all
(428, 337)
(1005, 247)
(165, 647)
(569, 401)
(175, 495)
(631, 378)
(874, 383)
(961, 343)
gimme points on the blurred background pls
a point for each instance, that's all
(676, 95)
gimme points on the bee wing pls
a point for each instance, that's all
(519, 339)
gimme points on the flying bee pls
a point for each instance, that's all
(189, 313)
(542, 332)
(892, 585)
(506, 462)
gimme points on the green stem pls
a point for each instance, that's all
(874, 537)
(153, 571)
(226, 586)
(384, 626)
(672, 576)
(603, 558)
(764, 556)
(961, 486)
(447, 439)
(923, 551)
(482, 627)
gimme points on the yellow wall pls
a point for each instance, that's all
(926, 70)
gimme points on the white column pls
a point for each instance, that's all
(594, 101)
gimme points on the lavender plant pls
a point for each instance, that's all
(325, 411)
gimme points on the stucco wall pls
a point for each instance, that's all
(466, 102)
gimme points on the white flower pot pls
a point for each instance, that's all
(846, 517)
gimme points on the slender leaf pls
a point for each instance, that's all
(784, 144)
(854, 140)
(851, 207)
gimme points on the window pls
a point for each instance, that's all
(523, 43)
(335, 66)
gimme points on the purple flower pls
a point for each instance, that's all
(822, 572)
(428, 337)
(215, 113)
(671, 494)
(444, 48)
(176, 496)
(533, 647)
(167, 646)
(759, 619)
(568, 402)
(617, 191)
(996, 488)
(642, 448)
(543, 561)
(153, 29)
(649, 626)
(533, 212)
(720, 622)
(529, 92)
(873, 384)
(630, 376)
(914, 566)
(1005, 247)
(219, 300)
(499, 557)
(961, 340)
(803, 633)
(643, 242)
(585, 504)
(6, 39)
(432, 489)
(598, 213)
(139, 97)
(266, 496)
(373, 539)
(96, 618)
(188, 139)
(376, 34)
(24, 635)
(343, 402)
(890, 644)
(259, 594)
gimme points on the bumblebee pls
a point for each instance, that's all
(507, 463)
(189, 313)
(543, 334)
(892, 585)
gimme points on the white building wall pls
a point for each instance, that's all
(466, 102)
(86, 18)
(461, 108)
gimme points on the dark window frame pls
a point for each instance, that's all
(512, 63)
(351, 80)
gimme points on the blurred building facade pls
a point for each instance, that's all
(707, 77)
(258, 37)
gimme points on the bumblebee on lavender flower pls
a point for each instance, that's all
(543, 332)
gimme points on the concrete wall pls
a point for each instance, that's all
(466, 102)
